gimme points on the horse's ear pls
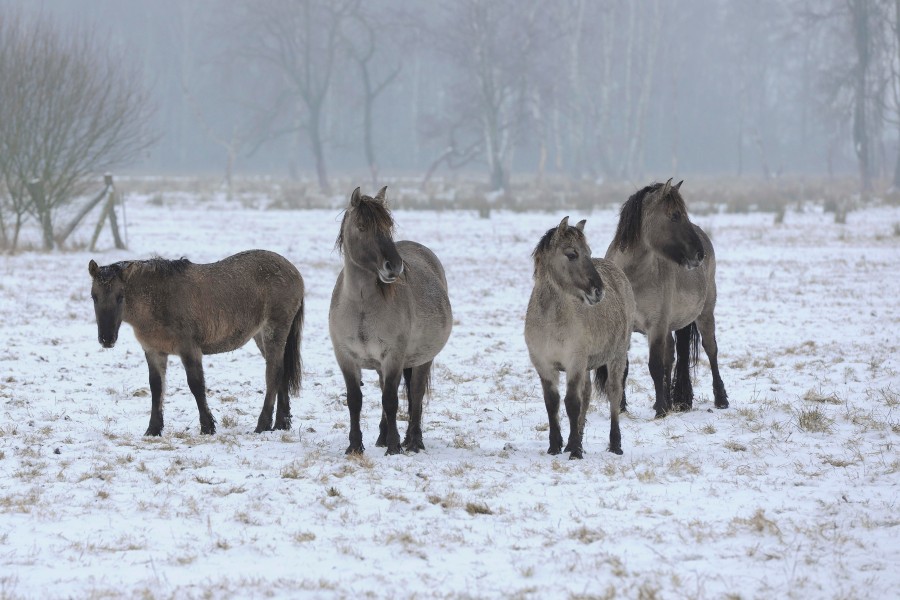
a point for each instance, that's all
(580, 225)
(354, 198)
(667, 187)
(563, 225)
(678, 185)
(93, 269)
(380, 195)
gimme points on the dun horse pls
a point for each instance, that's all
(390, 312)
(579, 320)
(672, 268)
(178, 307)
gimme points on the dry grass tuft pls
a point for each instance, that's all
(478, 508)
(813, 420)
(735, 446)
(816, 395)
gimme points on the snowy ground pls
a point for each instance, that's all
(793, 492)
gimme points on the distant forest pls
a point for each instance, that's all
(609, 90)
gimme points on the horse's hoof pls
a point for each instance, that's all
(208, 429)
(682, 408)
(554, 450)
(351, 449)
(577, 453)
(413, 446)
(380, 442)
(616, 450)
(283, 424)
(721, 403)
(261, 429)
(154, 431)
(392, 450)
(661, 414)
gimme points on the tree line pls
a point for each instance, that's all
(611, 90)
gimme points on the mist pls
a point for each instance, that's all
(600, 90)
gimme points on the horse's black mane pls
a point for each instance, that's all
(547, 241)
(628, 231)
(156, 265)
(368, 213)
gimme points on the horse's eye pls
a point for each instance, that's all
(120, 298)
(572, 254)
(676, 216)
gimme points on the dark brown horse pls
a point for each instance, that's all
(579, 320)
(390, 312)
(672, 268)
(178, 307)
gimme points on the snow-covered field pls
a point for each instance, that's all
(793, 492)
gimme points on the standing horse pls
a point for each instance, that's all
(390, 312)
(178, 307)
(579, 319)
(672, 268)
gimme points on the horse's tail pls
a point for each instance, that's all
(600, 377)
(293, 363)
(687, 354)
(687, 346)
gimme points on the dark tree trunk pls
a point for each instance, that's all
(36, 190)
(860, 19)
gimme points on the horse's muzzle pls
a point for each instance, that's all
(107, 343)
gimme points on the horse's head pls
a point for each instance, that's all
(657, 217)
(367, 236)
(108, 294)
(563, 256)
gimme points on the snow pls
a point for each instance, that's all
(751, 502)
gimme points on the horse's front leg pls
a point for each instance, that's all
(390, 402)
(551, 401)
(193, 367)
(157, 363)
(381, 442)
(658, 363)
(352, 379)
(575, 406)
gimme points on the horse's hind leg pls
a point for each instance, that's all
(682, 390)
(193, 367)
(660, 363)
(157, 362)
(706, 325)
(614, 387)
(416, 387)
(623, 406)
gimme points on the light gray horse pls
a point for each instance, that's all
(672, 268)
(579, 319)
(390, 312)
(178, 307)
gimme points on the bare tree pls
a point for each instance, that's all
(492, 44)
(299, 40)
(70, 108)
(362, 35)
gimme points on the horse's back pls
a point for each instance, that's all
(229, 301)
(424, 274)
